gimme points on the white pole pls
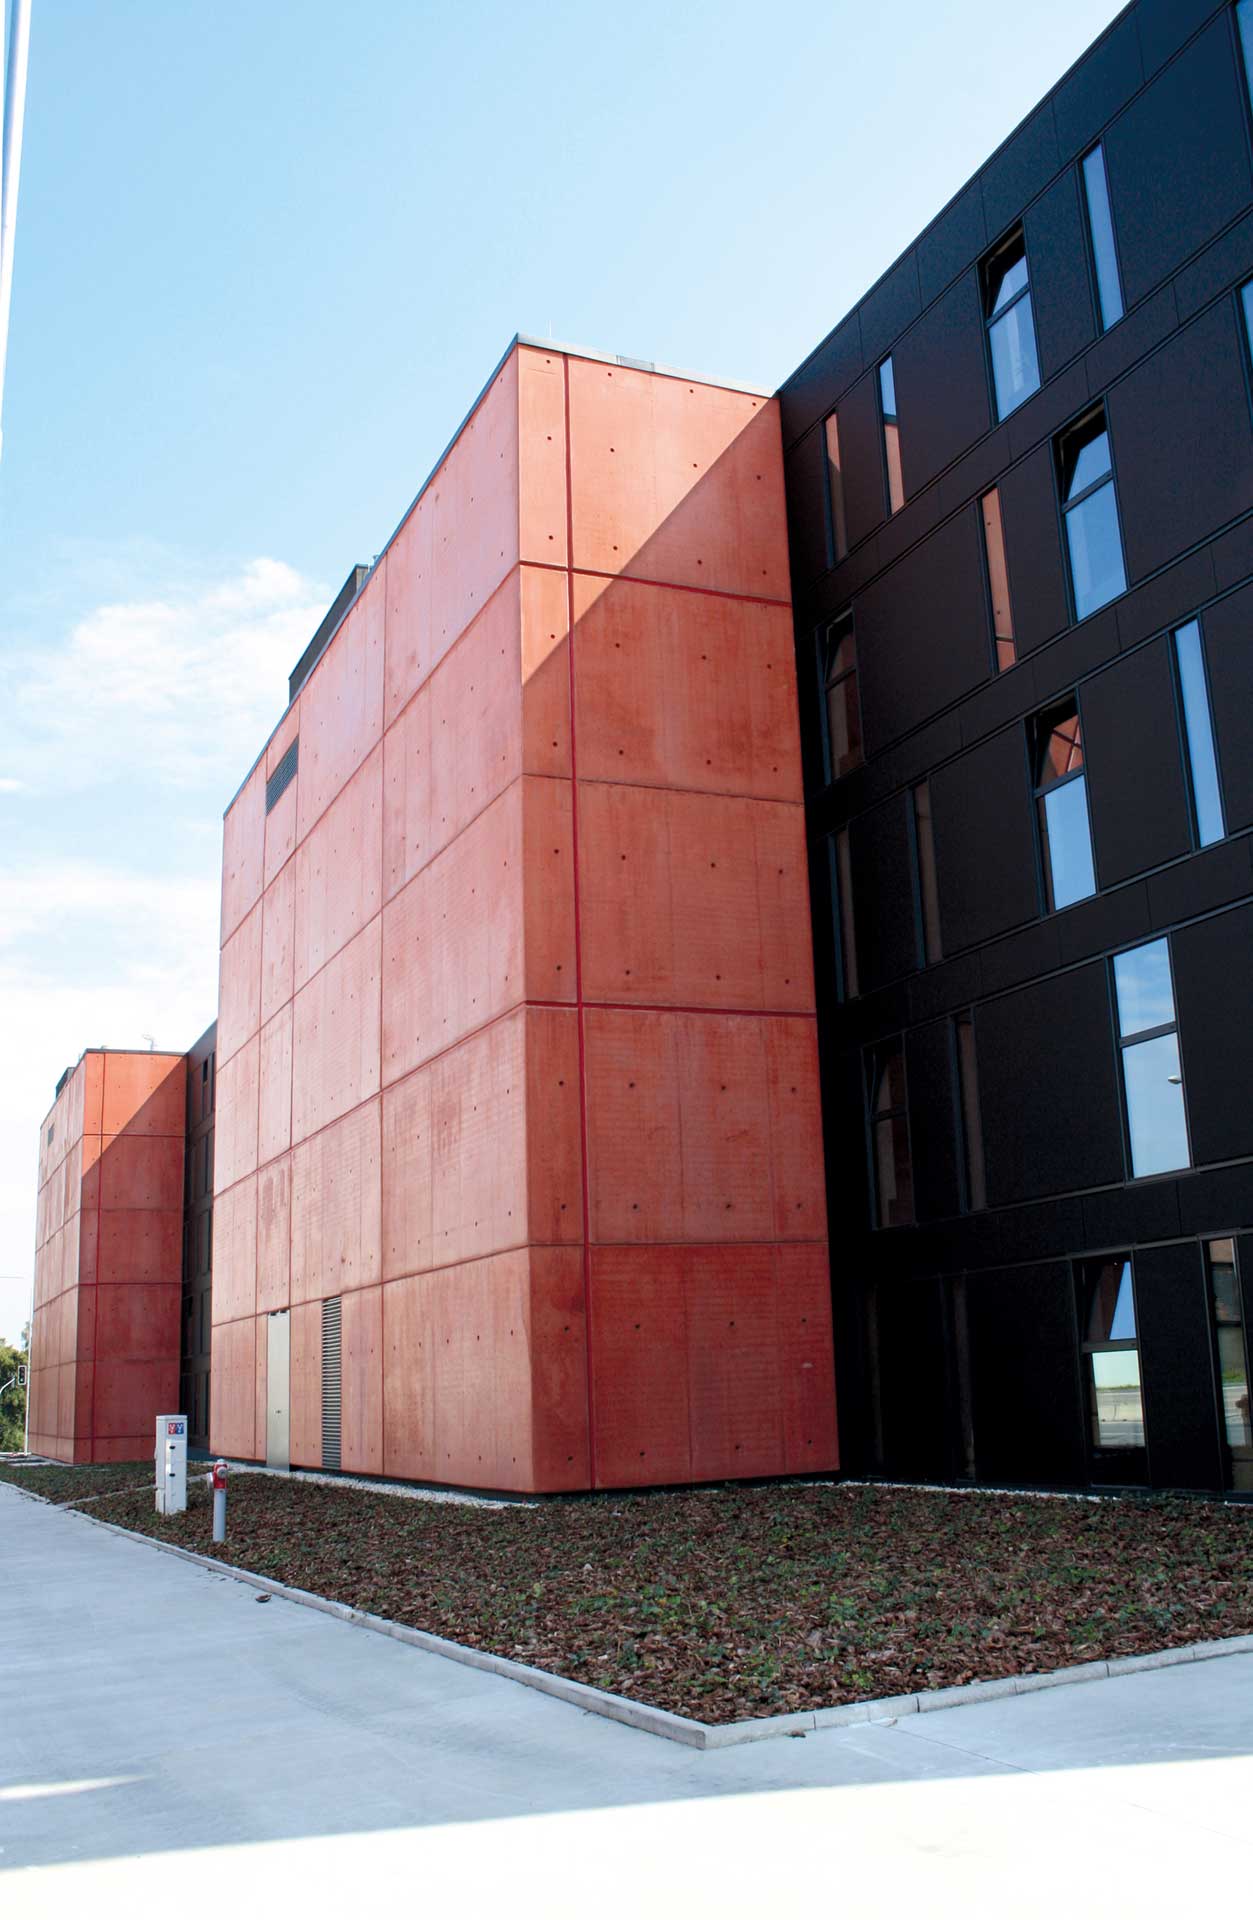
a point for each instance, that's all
(11, 165)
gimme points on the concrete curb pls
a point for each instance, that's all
(676, 1726)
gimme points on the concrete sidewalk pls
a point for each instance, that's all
(167, 1740)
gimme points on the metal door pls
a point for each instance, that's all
(278, 1391)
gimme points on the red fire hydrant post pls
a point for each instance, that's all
(217, 1479)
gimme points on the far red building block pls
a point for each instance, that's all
(104, 1357)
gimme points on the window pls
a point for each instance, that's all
(1246, 304)
(1157, 1125)
(841, 707)
(836, 522)
(843, 892)
(1233, 1364)
(891, 436)
(1062, 807)
(998, 581)
(1244, 24)
(1198, 726)
(1091, 513)
(1111, 1358)
(1101, 237)
(924, 863)
(971, 1120)
(1011, 325)
(893, 1171)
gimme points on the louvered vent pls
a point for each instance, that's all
(281, 778)
(330, 1383)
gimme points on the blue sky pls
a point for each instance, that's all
(267, 254)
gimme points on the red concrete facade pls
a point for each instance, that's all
(516, 1038)
(105, 1334)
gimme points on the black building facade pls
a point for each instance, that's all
(197, 1316)
(1020, 480)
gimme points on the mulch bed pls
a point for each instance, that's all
(66, 1485)
(730, 1603)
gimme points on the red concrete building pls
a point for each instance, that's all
(519, 1173)
(105, 1332)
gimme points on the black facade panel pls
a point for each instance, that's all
(1024, 1366)
(1183, 447)
(1176, 1367)
(883, 894)
(942, 384)
(1178, 162)
(1216, 1200)
(1214, 878)
(815, 387)
(1229, 657)
(1119, 1217)
(956, 239)
(984, 842)
(1167, 599)
(892, 306)
(911, 1375)
(1048, 1088)
(1061, 291)
(1033, 552)
(934, 1144)
(1213, 963)
(806, 510)
(1136, 794)
(1100, 85)
(1164, 25)
(922, 632)
(1025, 164)
(861, 459)
(1222, 266)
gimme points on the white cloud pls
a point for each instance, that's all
(129, 730)
(175, 688)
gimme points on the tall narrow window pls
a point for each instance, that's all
(841, 706)
(928, 890)
(1101, 235)
(1157, 1124)
(1111, 1360)
(1086, 472)
(1246, 305)
(972, 1123)
(891, 436)
(1062, 807)
(836, 520)
(1198, 725)
(1244, 23)
(1011, 324)
(998, 581)
(847, 926)
(1233, 1362)
(893, 1171)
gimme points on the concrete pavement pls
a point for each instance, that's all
(166, 1740)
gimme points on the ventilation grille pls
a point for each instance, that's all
(281, 778)
(331, 1383)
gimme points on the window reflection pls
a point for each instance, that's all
(835, 493)
(893, 1171)
(891, 436)
(1112, 1359)
(1062, 808)
(843, 708)
(1011, 325)
(1093, 539)
(1233, 1368)
(998, 580)
(1157, 1121)
(1207, 805)
(1101, 234)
